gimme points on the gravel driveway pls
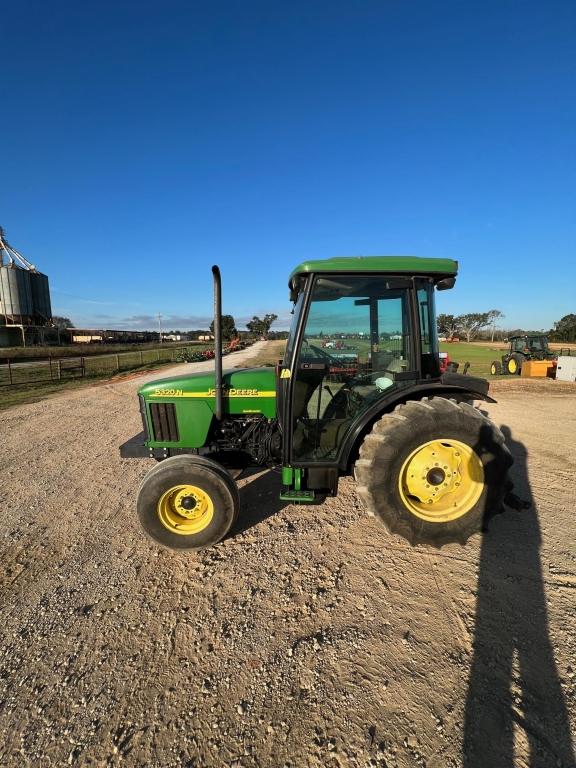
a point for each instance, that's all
(307, 638)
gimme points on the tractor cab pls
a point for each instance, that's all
(532, 346)
(383, 311)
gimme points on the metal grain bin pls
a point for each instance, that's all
(15, 292)
(40, 295)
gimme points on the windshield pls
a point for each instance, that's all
(537, 343)
(356, 346)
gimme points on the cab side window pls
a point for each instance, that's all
(356, 346)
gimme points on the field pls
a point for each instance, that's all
(144, 359)
(309, 637)
(478, 355)
(481, 354)
(86, 350)
(28, 380)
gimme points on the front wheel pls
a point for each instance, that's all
(187, 502)
(433, 471)
(514, 365)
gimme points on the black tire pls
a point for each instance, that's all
(496, 368)
(514, 365)
(216, 494)
(385, 457)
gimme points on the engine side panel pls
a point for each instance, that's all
(179, 411)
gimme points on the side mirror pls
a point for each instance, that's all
(445, 283)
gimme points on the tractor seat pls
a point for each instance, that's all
(385, 379)
(383, 382)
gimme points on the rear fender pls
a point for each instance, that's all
(350, 447)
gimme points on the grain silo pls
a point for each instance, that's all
(15, 293)
(40, 296)
(24, 291)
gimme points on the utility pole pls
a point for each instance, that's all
(160, 326)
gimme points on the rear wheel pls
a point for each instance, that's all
(433, 471)
(187, 502)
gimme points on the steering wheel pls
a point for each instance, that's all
(345, 402)
(321, 353)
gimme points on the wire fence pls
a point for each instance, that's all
(20, 372)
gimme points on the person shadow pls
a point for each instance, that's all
(514, 683)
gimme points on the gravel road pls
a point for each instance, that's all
(307, 638)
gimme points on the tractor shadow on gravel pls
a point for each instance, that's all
(514, 683)
(259, 500)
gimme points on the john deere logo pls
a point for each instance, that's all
(231, 392)
(227, 392)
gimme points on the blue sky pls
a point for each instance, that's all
(144, 141)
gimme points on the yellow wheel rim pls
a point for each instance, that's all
(512, 367)
(441, 480)
(493, 370)
(185, 509)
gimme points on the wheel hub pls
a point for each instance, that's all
(436, 476)
(185, 509)
(441, 480)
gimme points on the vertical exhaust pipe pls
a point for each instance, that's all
(218, 341)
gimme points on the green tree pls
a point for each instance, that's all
(62, 322)
(228, 327)
(565, 329)
(473, 322)
(447, 325)
(261, 326)
(493, 316)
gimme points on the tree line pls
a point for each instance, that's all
(475, 324)
(564, 329)
(468, 325)
(259, 326)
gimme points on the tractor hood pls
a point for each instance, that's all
(249, 390)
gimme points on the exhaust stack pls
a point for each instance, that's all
(218, 341)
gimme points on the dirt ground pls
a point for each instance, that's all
(308, 638)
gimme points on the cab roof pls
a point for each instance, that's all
(397, 265)
(528, 336)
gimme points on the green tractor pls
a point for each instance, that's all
(427, 463)
(531, 346)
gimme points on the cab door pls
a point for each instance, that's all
(354, 347)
